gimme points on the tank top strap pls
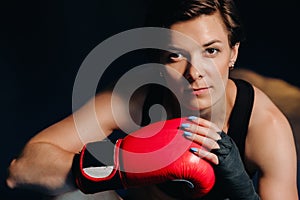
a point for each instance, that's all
(241, 113)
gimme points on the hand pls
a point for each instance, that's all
(233, 180)
(206, 134)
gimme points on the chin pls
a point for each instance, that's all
(196, 106)
(192, 106)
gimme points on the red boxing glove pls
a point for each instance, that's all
(155, 154)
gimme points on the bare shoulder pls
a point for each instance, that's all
(270, 139)
(268, 125)
(266, 112)
(270, 145)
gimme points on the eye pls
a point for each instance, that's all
(175, 57)
(211, 52)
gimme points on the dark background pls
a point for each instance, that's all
(42, 45)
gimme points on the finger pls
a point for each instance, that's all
(206, 142)
(203, 122)
(201, 130)
(205, 155)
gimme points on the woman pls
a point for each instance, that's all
(203, 60)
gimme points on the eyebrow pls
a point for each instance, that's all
(175, 48)
(212, 42)
(172, 47)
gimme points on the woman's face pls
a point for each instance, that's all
(198, 61)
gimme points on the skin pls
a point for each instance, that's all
(47, 157)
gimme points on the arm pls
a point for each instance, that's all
(270, 146)
(46, 159)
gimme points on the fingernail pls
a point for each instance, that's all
(187, 134)
(192, 117)
(185, 125)
(193, 149)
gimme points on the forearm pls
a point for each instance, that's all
(42, 166)
(233, 179)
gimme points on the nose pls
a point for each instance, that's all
(192, 74)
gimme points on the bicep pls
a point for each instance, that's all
(278, 171)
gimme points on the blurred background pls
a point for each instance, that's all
(43, 43)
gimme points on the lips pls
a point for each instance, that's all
(199, 91)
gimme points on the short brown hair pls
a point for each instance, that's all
(164, 13)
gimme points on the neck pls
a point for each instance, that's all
(217, 113)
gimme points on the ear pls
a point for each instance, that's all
(234, 53)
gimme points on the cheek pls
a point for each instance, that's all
(176, 67)
(174, 79)
(174, 73)
(219, 68)
(217, 75)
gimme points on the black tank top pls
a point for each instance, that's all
(241, 113)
